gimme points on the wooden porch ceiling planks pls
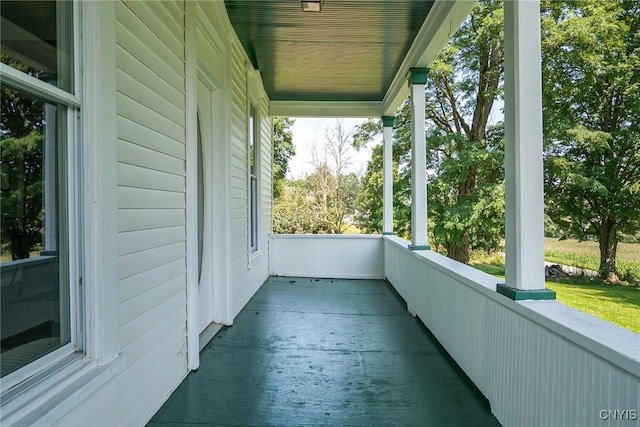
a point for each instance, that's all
(351, 51)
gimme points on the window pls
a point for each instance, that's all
(36, 137)
(253, 179)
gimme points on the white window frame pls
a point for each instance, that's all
(48, 389)
(69, 107)
(253, 96)
(253, 135)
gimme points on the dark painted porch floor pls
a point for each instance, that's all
(325, 352)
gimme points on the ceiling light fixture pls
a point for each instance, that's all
(311, 5)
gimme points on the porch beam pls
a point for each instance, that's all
(524, 199)
(417, 78)
(326, 109)
(387, 177)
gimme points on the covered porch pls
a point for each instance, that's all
(433, 344)
(308, 351)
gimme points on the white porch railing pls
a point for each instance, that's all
(537, 362)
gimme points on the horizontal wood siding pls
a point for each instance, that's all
(151, 105)
(266, 171)
(540, 363)
(247, 272)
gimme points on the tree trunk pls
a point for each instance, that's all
(608, 246)
(460, 251)
(19, 246)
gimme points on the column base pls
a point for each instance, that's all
(419, 247)
(388, 233)
(525, 294)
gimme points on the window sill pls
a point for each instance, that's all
(50, 400)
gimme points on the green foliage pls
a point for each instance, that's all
(324, 201)
(465, 154)
(294, 212)
(591, 101)
(21, 159)
(283, 151)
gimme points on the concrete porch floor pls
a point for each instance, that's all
(325, 352)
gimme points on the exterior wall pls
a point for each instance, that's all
(152, 119)
(150, 105)
(538, 362)
(248, 271)
(327, 256)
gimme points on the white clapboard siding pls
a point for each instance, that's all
(135, 241)
(135, 154)
(138, 49)
(138, 284)
(151, 108)
(147, 96)
(136, 68)
(147, 115)
(142, 219)
(140, 177)
(266, 171)
(130, 310)
(139, 392)
(151, 105)
(248, 271)
(138, 262)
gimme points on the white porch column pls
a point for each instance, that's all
(387, 177)
(417, 79)
(524, 199)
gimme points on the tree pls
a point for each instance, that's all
(342, 187)
(463, 162)
(325, 199)
(283, 151)
(591, 101)
(21, 159)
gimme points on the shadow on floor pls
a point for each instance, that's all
(325, 352)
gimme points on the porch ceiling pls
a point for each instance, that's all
(351, 52)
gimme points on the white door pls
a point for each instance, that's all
(204, 171)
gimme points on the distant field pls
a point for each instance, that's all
(587, 255)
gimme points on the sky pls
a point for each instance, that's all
(309, 132)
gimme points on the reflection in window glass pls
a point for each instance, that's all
(36, 38)
(34, 304)
(253, 185)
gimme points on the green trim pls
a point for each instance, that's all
(387, 121)
(417, 76)
(420, 247)
(521, 294)
(388, 233)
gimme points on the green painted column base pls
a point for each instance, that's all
(521, 294)
(388, 233)
(420, 248)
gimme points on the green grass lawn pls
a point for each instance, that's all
(617, 304)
